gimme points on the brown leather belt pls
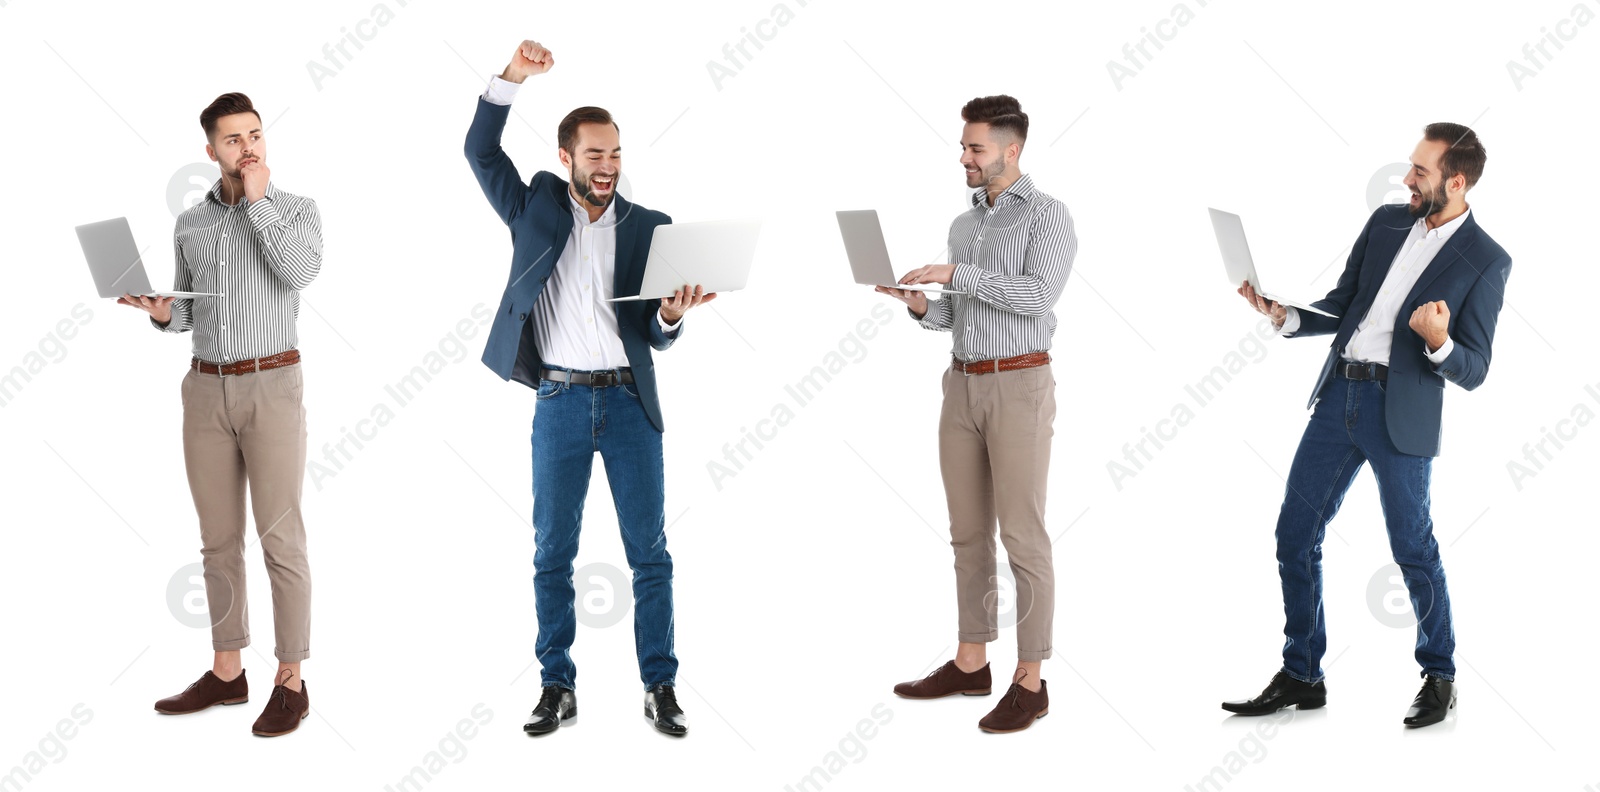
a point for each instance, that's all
(1030, 360)
(251, 366)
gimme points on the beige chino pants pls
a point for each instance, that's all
(250, 429)
(994, 454)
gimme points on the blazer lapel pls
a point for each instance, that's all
(1453, 251)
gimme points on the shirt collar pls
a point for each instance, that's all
(215, 194)
(1444, 232)
(1021, 189)
(581, 212)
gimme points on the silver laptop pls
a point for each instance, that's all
(115, 263)
(715, 256)
(1241, 267)
(869, 253)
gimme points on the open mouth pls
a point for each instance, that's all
(601, 184)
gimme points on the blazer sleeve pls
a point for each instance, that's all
(1472, 326)
(498, 177)
(1344, 292)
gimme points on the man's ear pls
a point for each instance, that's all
(1013, 151)
(211, 152)
(566, 159)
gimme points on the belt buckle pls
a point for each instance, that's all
(603, 379)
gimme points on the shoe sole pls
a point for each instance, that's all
(572, 713)
(1309, 704)
(296, 725)
(1042, 713)
(227, 703)
(974, 692)
(651, 716)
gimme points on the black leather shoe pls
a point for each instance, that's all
(1283, 691)
(1433, 702)
(556, 704)
(661, 707)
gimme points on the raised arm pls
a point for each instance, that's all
(498, 177)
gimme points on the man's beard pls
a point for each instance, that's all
(1431, 203)
(585, 189)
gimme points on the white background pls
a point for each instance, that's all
(819, 575)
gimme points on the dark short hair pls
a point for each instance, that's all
(225, 105)
(567, 133)
(999, 112)
(1465, 154)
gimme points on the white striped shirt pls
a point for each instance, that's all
(257, 257)
(1013, 258)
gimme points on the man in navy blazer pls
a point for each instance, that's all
(1416, 307)
(577, 243)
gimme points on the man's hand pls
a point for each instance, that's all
(674, 307)
(531, 58)
(933, 273)
(255, 175)
(159, 308)
(915, 300)
(1432, 321)
(1268, 308)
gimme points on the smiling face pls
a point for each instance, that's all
(985, 155)
(594, 163)
(238, 140)
(1431, 193)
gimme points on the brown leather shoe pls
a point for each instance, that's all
(1018, 710)
(206, 692)
(285, 709)
(947, 680)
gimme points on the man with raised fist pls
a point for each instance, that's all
(256, 248)
(1415, 307)
(576, 244)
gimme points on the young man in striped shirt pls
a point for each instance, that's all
(255, 247)
(1010, 253)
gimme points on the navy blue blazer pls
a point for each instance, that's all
(539, 215)
(1469, 274)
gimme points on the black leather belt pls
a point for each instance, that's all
(596, 379)
(1350, 369)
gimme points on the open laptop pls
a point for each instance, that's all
(714, 255)
(869, 253)
(115, 263)
(1241, 267)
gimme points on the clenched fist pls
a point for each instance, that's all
(1432, 321)
(531, 58)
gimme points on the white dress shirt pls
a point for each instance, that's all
(573, 324)
(1374, 337)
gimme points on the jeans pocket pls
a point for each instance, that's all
(630, 388)
(550, 389)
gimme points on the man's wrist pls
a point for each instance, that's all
(512, 78)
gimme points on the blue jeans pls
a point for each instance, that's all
(1347, 429)
(570, 424)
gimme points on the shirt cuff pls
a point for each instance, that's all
(669, 329)
(1437, 358)
(965, 278)
(1291, 322)
(263, 214)
(500, 92)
